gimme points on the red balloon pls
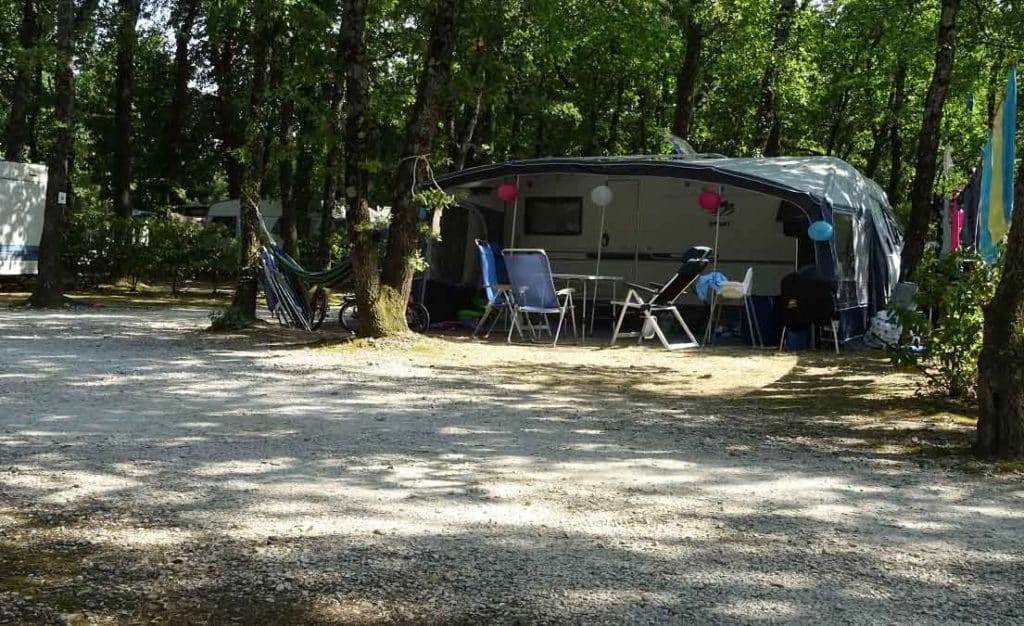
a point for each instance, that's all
(710, 201)
(508, 192)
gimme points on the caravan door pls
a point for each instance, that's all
(619, 240)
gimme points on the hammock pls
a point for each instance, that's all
(338, 276)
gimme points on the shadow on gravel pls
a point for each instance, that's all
(148, 475)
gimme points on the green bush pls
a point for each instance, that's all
(100, 247)
(953, 291)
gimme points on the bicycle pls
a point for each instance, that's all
(416, 315)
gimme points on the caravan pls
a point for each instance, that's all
(655, 214)
(227, 213)
(22, 205)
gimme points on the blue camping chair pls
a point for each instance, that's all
(534, 293)
(496, 286)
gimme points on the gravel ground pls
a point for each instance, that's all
(153, 473)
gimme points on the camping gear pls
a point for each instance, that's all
(807, 301)
(496, 286)
(764, 223)
(585, 280)
(663, 300)
(885, 330)
(533, 291)
(734, 291)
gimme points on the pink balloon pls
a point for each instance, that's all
(710, 201)
(508, 192)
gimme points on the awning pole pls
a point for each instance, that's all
(600, 242)
(515, 211)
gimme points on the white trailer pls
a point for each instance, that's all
(228, 213)
(22, 204)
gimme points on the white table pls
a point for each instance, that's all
(584, 280)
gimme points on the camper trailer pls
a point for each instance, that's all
(655, 214)
(228, 211)
(22, 205)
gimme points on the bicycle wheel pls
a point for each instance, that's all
(348, 316)
(417, 317)
(317, 308)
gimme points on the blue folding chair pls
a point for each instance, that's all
(534, 293)
(496, 286)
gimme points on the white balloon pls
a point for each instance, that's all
(601, 195)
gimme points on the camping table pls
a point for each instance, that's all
(584, 279)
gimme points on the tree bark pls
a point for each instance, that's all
(286, 178)
(22, 92)
(186, 12)
(404, 238)
(686, 77)
(769, 129)
(333, 158)
(124, 87)
(363, 248)
(1001, 365)
(899, 99)
(921, 201)
(225, 74)
(49, 288)
(263, 36)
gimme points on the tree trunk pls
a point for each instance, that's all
(49, 288)
(228, 110)
(334, 156)
(769, 129)
(184, 18)
(388, 309)
(263, 35)
(613, 123)
(465, 138)
(286, 178)
(124, 86)
(363, 248)
(921, 201)
(1001, 365)
(22, 92)
(686, 78)
(899, 90)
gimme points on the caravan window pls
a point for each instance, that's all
(846, 256)
(554, 216)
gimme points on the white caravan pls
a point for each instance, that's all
(227, 213)
(22, 204)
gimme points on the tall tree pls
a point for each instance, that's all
(21, 92)
(71, 20)
(224, 45)
(183, 20)
(352, 47)
(262, 40)
(922, 203)
(124, 123)
(689, 71)
(1001, 365)
(384, 312)
(769, 126)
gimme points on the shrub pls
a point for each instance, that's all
(953, 291)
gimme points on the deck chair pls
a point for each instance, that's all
(496, 286)
(808, 301)
(534, 293)
(654, 299)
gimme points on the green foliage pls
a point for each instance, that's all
(100, 247)
(949, 321)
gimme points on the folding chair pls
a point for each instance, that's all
(534, 293)
(496, 286)
(808, 302)
(663, 299)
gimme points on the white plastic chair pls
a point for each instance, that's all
(740, 292)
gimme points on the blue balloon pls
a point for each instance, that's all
(820, 231)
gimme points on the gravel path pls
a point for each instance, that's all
(150, 472)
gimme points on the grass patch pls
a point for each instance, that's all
(146, 296)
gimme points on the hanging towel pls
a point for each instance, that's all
(711, 281)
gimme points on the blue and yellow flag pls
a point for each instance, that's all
(996, 203)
